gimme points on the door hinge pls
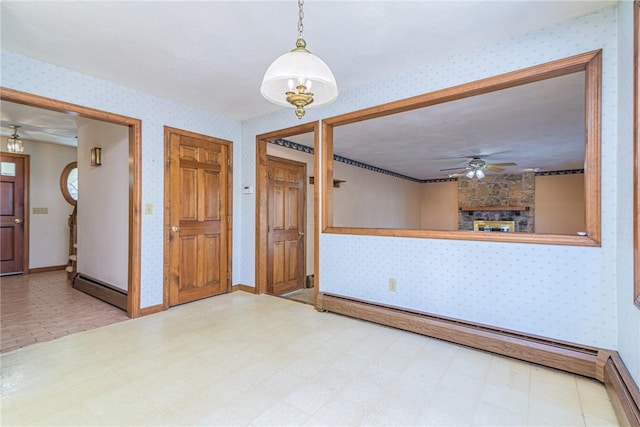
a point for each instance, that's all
(228, 275)
(228, 162)
(228, 219)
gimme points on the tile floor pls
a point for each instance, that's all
(305, 295)
(244, 359)
(42, 307)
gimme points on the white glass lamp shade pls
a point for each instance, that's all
(300, 66)
(479, 174)
(470, 174)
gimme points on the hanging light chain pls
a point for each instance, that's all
(300, 17)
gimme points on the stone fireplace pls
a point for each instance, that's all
(509, 197)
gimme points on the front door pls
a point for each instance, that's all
(199, 216)
(286, 198)
(13, 206)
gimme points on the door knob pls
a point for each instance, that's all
(175, 228)
(17, 221)
(300, 233)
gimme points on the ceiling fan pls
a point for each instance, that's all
(477, 167)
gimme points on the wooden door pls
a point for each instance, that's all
(13, 207)
(199, 216)
(286, 200)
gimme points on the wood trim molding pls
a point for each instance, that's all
(582, 360)
(135, 173)
(47, 269)
(153, 309)
(622, 390)
(261, 197)
(589, 62)
(243, 288)
(63, 182)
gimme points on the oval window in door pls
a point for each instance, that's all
(69, 182)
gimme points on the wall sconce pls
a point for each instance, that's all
(96, 156)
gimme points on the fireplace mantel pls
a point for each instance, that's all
(493, 208)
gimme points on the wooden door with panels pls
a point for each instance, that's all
(14, 206)
(286, 202)
(197, 216)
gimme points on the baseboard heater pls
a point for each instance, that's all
(101, 290)
(581, 360)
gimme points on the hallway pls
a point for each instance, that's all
(42, 307)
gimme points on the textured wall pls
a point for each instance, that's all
(103, 203)
(559, 204)
(628, 314)
(375, 200)
(29, 75)
(561, 292)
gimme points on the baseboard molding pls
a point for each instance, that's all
(244, 288)
(101, 290)
(622, 390)
(47, 269)
(151, 310)
(581, 360)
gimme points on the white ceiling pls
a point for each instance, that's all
(212, 55)
(537, 126)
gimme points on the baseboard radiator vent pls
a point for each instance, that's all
(581, 360)
(101, 290)
(623, 391)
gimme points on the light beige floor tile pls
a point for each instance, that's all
(544, 413)
(224, 417)
(399, 406)
(595, 401)
(487, 414)
(9, 415)
(362, 390)
(309, 397)
(591, 421)
(340, 412)
(458, 405)
(281, 414)
(506, 397)
(242, 359)
(252, 403)
(436, 417)
(471, 363)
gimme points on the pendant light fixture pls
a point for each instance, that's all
(291, 77)
(14, 143)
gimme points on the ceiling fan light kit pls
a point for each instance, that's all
(289, 79)
(477, 167)
(14, 143)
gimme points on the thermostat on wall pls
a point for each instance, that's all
(247, 189)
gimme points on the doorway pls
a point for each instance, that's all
(14, 231)
(198, 189)
(286, 144)
(134, 130)
(286, 226)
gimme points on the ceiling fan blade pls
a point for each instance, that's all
(453, 169)
(494, 168)
(503, 164)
